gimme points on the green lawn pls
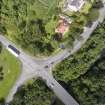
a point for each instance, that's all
(45, 8)
(11, 69)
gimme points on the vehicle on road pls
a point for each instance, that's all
(51, 85)
(13, 50)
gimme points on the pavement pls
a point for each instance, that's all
(34, 67)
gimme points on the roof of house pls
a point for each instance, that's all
(75, 3)
(62, 26)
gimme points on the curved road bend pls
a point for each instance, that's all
(77, 44)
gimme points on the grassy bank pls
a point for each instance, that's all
(11, 71)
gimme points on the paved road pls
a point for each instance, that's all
(35, 67)
(32, 69)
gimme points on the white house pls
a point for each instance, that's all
(74, 5)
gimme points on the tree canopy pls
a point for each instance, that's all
(24, 22)
(36, 93)
(77, 64)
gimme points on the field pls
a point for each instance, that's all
(11, 70)
(45, 8)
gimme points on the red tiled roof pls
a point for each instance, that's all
(62, 26)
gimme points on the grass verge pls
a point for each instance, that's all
(11, 70)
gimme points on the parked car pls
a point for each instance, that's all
(13, 50)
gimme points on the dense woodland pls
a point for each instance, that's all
(89, 89)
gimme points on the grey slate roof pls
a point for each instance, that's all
(76, 3)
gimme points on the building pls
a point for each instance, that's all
(62, 26)
(73, 5)
(13, 50)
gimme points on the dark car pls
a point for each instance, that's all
(46, 66)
